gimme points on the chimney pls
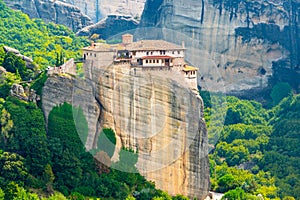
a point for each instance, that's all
(127, 39)
(182, 44)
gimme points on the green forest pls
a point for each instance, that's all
(36, 39)
(254, 151)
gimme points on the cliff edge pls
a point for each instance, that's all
(152, 114)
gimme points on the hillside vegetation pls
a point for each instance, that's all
(257, 150)
(36, 39)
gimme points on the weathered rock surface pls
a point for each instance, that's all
(99, 9)
(155, 115)
(52, 11)
(109, 26)
(60, 89)
(235, 43)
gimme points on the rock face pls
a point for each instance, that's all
(151, 114)
(99, 9)
(111, 25)
(52, 11)
(235, 43)
(60, 89)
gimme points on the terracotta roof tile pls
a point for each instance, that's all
(153, 45)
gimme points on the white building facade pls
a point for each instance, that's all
(145, 54)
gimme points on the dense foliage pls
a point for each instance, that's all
(282, 152)
(256, 151)
(36, 39)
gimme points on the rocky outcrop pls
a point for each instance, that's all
(52, 11)
(110, 26)
(99, 9)
(18, 91)
(28, 61)
(152, 114)
(235, 43)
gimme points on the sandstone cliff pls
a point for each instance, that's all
(52, 11)
(235, 43)
(109, 26)
(99, 9)
(155, 115)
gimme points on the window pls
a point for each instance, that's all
(95, 55)
(157, 61)
(151, 53)
(147, 53)
(134, 53)
(146, 61)
(150, 61)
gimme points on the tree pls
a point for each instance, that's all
(279, 91)
(2, 194)
(6, 125)
(237, 194)
(9, 62)
(226, 183)
(11, 190)
(2, 55)
(15, 192)
(76, 196)
(61, 124)
(12, 167)
(15, 64)
(48, 177)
